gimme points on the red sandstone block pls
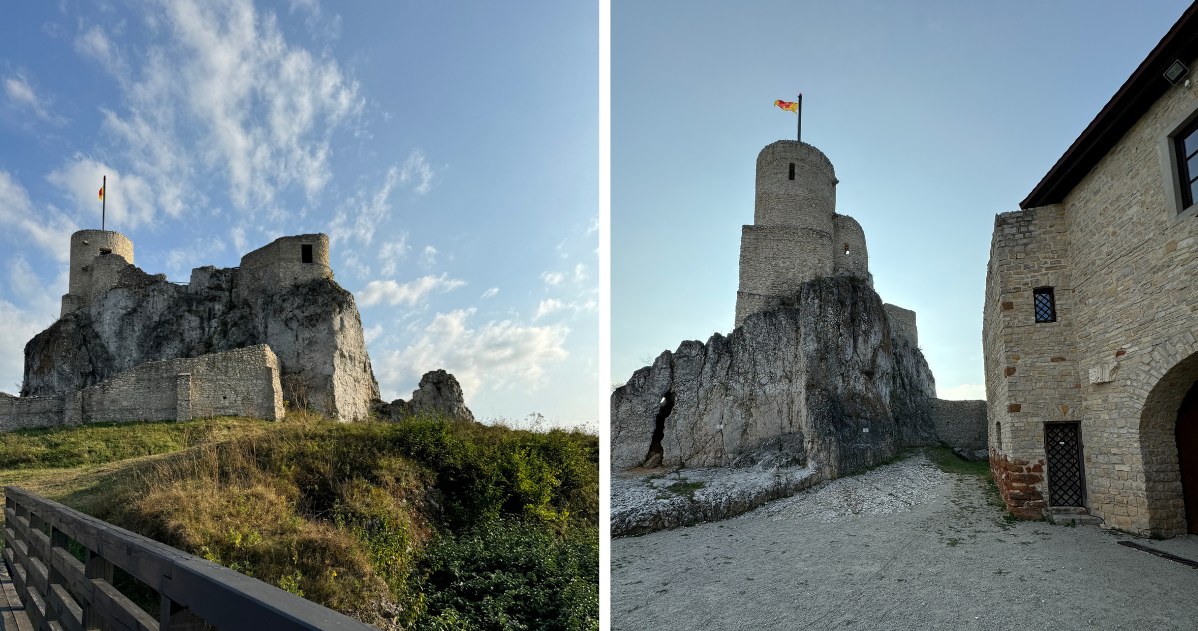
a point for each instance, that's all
(1009, 370)
(1014, 407)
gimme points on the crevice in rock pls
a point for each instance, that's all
(654, 457)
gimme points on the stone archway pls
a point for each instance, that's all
(1173, 399)
(1187, 456)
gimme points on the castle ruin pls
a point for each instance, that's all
(238, 341)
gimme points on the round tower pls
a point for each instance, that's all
(86, 245)
(796, 187)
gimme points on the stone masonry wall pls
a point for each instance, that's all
(1124, 261)
(1036, 361)
(278, 264)
(902, 323)
(26, 412)
(960, 424)
(241, 382)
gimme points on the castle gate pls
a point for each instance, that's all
(1187, 455)
(1063, 455)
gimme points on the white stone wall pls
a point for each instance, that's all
(849, 254)
(1122, 356)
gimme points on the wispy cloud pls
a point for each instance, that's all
(46, 227)
(553, 279)
(410, 293)
(129, 203)
(221, 91)
(416, 171)
(22, 95)
(490, 293)
(497, 353)
(428, 257)
(359, 217)
(548, 306)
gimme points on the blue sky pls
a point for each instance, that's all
(450, 150)
(936, 116)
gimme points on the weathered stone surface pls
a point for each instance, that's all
(438, 393)
(312, 326)
(821, 381)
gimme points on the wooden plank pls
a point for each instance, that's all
(12, 610)
(119, 611)
(67, 611)
(73, 574)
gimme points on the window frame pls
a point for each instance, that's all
(1052, 304)
(1173, 167)
(1186, 181)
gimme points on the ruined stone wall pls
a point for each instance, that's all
(241, 382)
(27, 412)
(902, 323)
(775, 262)
(280, 264)
(960, 424)
(1128, 264)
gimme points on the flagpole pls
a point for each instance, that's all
(799, 131)
(103, 202)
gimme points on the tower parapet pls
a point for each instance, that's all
(283, 262)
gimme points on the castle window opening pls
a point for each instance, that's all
(1187, 163)
(792, 170)
(846, 249)
(998, 434)
(104, 251)
(1045, 303)
(306, 253)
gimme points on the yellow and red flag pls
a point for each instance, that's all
(790, 106)
(101, 192)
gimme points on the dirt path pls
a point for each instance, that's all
(905, 546)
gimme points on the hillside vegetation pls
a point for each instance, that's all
(422, 524)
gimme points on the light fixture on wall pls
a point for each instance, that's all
(1176, 71)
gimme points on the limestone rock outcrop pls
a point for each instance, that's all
(311, 324)
(438, 393)
(821, 380)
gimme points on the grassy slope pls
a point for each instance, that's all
(420, 524)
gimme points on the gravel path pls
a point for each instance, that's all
(905, 546)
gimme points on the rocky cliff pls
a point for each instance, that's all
(820, 381)
(313, 327)
(438, 393)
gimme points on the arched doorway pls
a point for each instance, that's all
(1187, 455)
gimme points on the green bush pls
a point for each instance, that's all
(512, 575)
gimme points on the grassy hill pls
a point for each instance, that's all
(422, 524)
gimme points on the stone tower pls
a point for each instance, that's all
(92, 275)
(796, 235)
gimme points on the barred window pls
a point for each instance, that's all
(1045, 303)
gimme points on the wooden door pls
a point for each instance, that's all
(1187, 455)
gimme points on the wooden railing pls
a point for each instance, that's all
(43, 541)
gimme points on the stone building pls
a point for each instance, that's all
(1090, 331)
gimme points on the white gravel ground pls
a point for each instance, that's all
(905, 546)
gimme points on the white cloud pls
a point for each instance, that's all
(392, 253)
(21, 94)
(481, 357)
(47, 228)
(20, 326)
(393, 293)
(548, 306)
(594, 227)
(416, 170)
(490, 293)
(222, 92)
(580, 273)
(180, 261)
(970, 391)
(553, 279)
(129, 201)
(240, 245)
(428, 257)
(359, 217)
(371, 334)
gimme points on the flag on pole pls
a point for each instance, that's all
(790, 106)
(102, 192)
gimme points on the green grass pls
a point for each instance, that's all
(685, 488)
(428, 523)
(949, 462)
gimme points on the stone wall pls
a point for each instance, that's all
(960, 424)
(902, 323)
(280, 264)
(849, 254)
(27, 412)
(1121, 357)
